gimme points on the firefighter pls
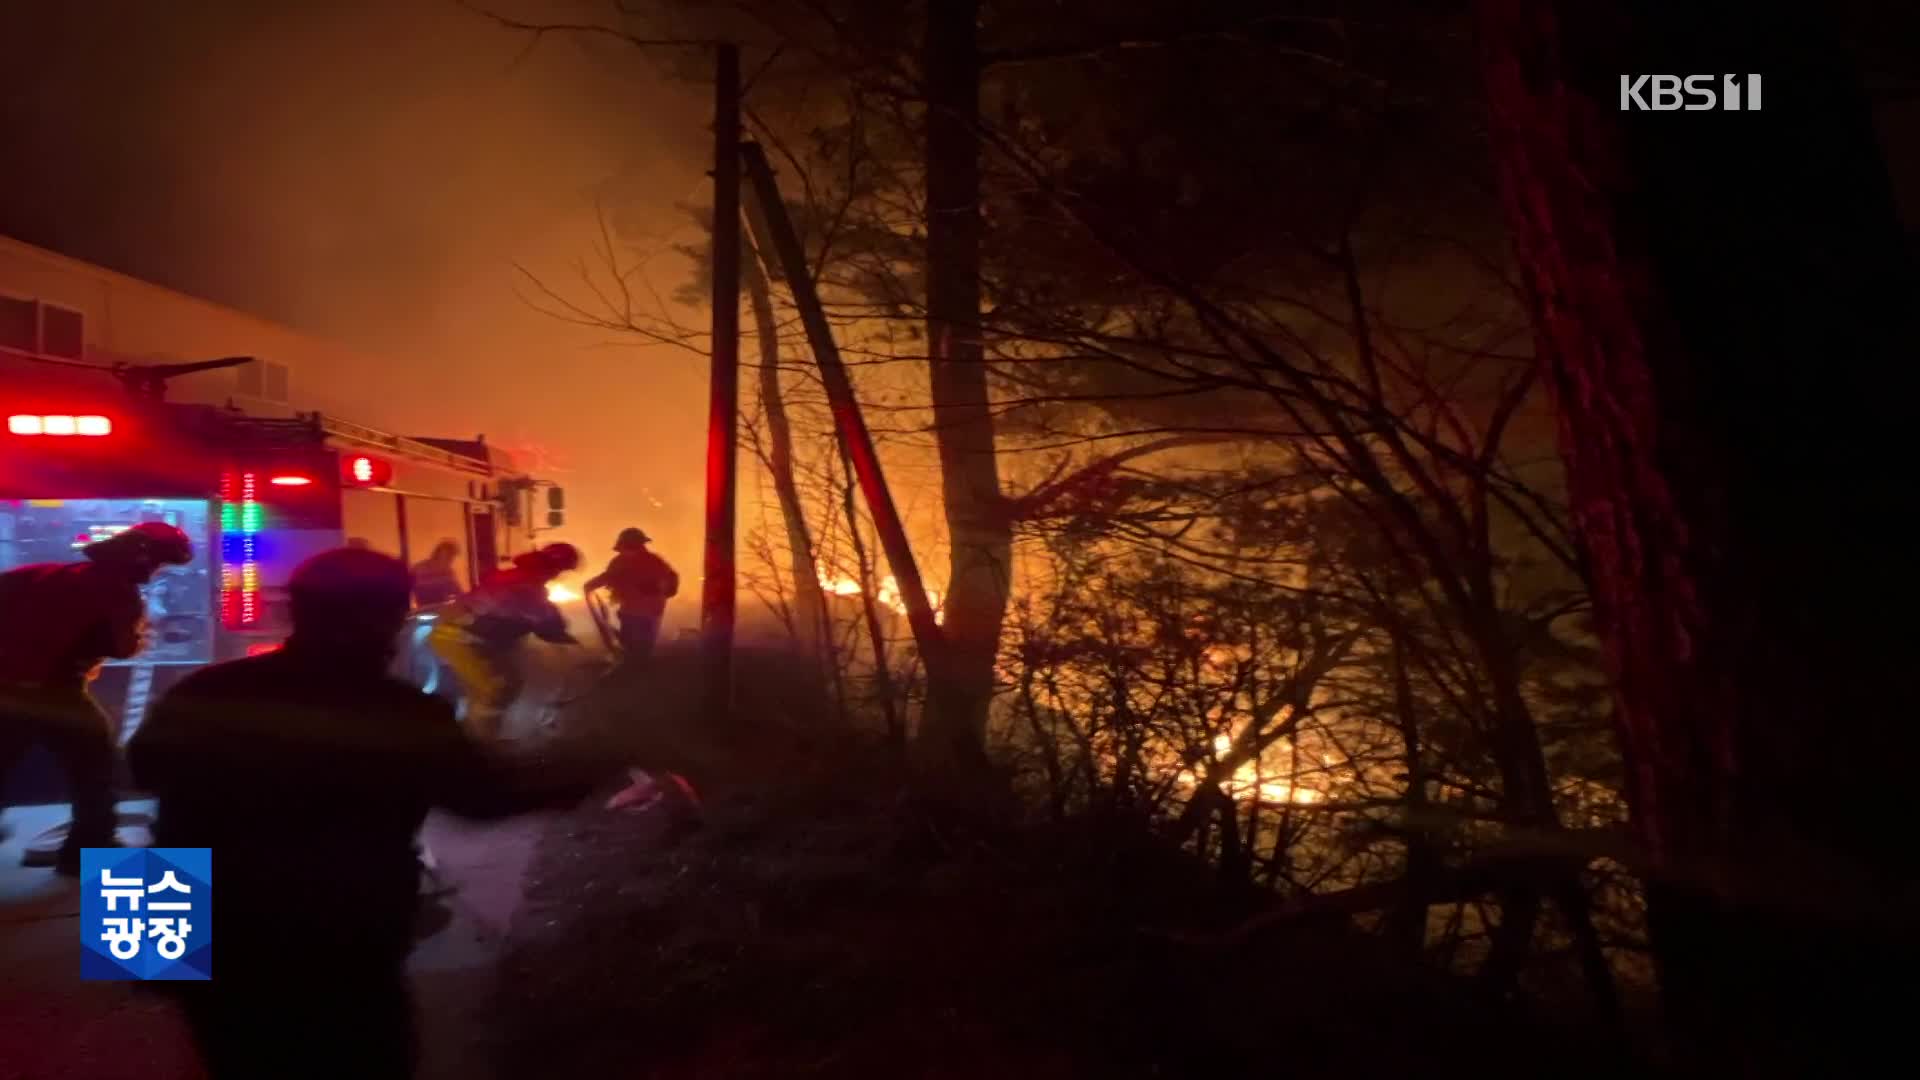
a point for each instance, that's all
(434, 581)
(60, 622)
(641, 583)
(310, 770)
(478, 635)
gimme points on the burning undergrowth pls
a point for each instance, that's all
(823, 922)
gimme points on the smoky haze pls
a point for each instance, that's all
(373, 171)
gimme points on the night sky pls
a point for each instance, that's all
(371, 171)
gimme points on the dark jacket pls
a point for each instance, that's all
(309, 783)
(641, 582)
(58, 621)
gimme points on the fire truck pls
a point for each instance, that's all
(83, 456)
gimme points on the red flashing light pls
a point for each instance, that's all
(360, 470)
(291, 481)
(26, 424)
(262, 648)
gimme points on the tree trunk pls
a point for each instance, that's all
(1720, 296)
(960, 683)
(1527, 800)
(809, 603)
(1407, 923)
(870, 608)
(1236, 857)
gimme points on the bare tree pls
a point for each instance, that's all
(810, 617)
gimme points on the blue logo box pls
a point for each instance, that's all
(146, 914)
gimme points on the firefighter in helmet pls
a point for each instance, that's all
(641, 583)
(58, 623)
(478, 635)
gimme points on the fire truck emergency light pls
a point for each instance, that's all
(291, 481)
(240, 521)
(25, 424)
(360, 470)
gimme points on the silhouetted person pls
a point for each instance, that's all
(434, 579)
(58, 623)
(641, 583)
(308, 771)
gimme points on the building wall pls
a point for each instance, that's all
(135, 321)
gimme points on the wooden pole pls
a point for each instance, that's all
(723, 414)
(774, 233)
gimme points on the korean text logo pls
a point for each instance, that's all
(146, 913)
(1693, 93)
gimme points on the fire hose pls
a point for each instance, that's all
(603, 622)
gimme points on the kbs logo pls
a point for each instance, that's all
(1693, 93)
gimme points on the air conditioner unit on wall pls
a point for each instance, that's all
(31, 326)
(262, 380)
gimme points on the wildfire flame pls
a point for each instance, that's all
(1246, 782)
(842, 586)
(888, 593)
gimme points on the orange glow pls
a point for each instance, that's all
(560, 594)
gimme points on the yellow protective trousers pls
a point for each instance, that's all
(488, 677)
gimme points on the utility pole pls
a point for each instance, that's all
(717, 598)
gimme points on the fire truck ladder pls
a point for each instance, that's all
(309, 428)
(359, 435)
